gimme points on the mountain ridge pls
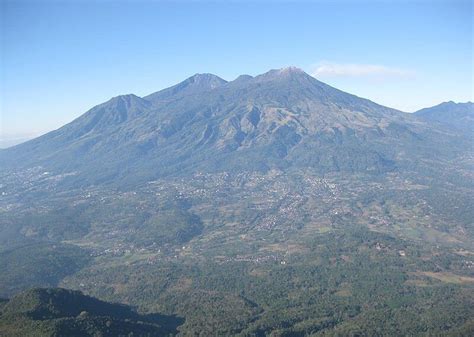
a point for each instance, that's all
(197, 83)
(451, 114)
(207, 123)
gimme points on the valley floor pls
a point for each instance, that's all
(260, 254)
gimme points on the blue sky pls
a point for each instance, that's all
(60, 58)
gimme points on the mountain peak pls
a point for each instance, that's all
(449, 104)
(195, 84)
(243, 78)
(206, 79)
(129, 101)
(452, 103)
(124, 98)
(458, 115)
(291, 70)
(283, 73)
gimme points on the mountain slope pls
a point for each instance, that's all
(196, 84)
(283, 118)
(457, 115)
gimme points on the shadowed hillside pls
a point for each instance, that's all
(60, 312)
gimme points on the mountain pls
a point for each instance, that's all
(273, 205)
(196, 84)
(283, 118)
(457, 115)
(60, 312)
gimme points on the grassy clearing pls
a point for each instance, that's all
(447, 277)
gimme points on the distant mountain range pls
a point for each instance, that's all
(456, 115)
(281, 119)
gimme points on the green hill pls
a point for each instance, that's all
(61, 312)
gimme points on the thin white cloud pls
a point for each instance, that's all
(332, 69)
